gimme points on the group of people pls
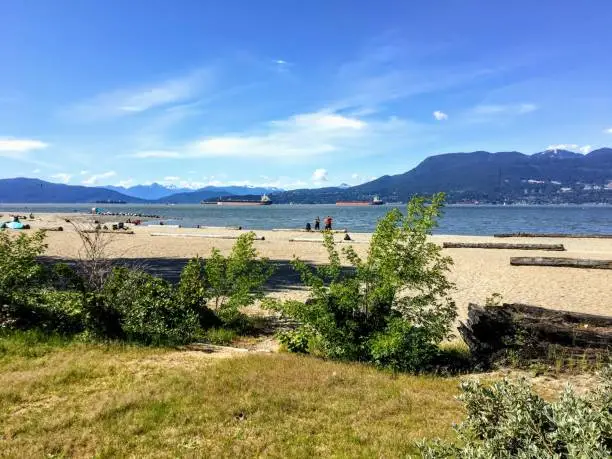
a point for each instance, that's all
(317, 224)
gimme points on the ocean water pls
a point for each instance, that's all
(467, 220)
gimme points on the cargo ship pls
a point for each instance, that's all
(264, 201)
(376, 201)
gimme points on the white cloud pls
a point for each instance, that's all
(61, 177)
(140, 99)
(440, 116)
(319, 175)
(36, 171)
(12, 145)
(571, 147)
(171, 178)
(84, 172)
(95, 179)
(280, 62)
(609, 131)
(300, 135)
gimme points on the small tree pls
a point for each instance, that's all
(94, 264)
(393, 308)
(225, 285)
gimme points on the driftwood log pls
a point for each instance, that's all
(534, 333)
(54, 228)
(558, 235)
(204, 236)
(103, 231)
(561, 262)
(502, 245)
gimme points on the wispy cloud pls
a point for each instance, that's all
(125, 102)
(508, 109)
(301, 135)
(609, 131)
(61, 177)
(440, 116)
(10, 146)
(96, 178)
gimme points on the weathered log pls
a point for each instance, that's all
(561, 262)
(302, 230)
(491, 331)
(54, 228)
(205, 236)
(109, 231)
(557, 235)
(502, 245)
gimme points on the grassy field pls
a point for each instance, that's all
(61, 399)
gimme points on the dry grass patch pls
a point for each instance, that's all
(120, 401)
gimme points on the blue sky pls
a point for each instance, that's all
(292, 93)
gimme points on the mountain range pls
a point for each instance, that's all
(157, 192)
(552, 176)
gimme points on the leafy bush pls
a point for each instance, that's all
(392, 308)
(233, 282)
(20, 271)
(147, 308)
(507, 420)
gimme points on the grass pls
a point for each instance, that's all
(67, 399)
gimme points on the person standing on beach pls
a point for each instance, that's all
(328, 223)
(317, 226)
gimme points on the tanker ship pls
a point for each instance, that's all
(376, 201)
(264, 201)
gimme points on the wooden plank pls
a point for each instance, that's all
(502, 245)
(556, 235)
(561, 262)
(205, 236)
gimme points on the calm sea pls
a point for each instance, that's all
(470, 220)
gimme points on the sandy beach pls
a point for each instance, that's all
(477, 273)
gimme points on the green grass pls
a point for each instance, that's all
(68, 399)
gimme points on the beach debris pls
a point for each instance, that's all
(534, 332)
(206, 236)
(502, 245)
(53, 228)
(561, 262)
(556, 235)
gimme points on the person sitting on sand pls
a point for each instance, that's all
(308, 227)
(317, 224)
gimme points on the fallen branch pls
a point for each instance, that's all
(501, 245)
(556, 235)
(561, 262)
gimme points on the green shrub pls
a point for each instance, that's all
(192, 293)
(233, 282)
(20, 271)
(148, 309)
(507, 420)
(392, 308)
